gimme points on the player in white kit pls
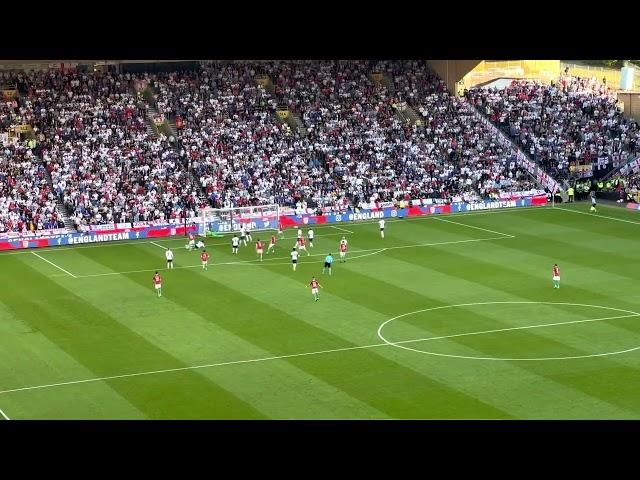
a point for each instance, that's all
(381, 223)
(243, 234)
(235, 243)
(169, 255)
(248, 230)
(294, 258)
(310, 237)
(192, 242)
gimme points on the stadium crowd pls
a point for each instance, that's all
(356, 149)
(232, 150)
(26, 200)
(104, 165)
(565, 126)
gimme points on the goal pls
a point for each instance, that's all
(215, 221)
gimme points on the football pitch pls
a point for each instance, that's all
(447, 317)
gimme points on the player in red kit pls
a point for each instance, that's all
(204, 256)
(157, 283)
(301, 245)
(280, 230)
(259, 249)
(272, 244)
(314, 288)
(343, 252)
(556, 276)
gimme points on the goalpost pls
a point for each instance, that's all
(212, 222)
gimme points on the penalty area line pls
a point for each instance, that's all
(343, 229)
(158, 245)
(268, 263)
(473, 226)
(53, 264)
(4, 415)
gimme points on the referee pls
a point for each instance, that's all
(328, 260)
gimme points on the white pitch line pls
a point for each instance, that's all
(473, 226)
(292, 355)
(596, 215)
(168, 370)
(158, 245)
(51, 263)
(266, 263)
(4, 415)
(526, 327)
(343, 229)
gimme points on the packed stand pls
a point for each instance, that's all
(569, 127)
(230, 137)
(27, 203)
(104, 165)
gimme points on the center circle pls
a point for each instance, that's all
(402, 344)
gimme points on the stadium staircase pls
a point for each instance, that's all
(62, 208)
(168, 128)
(283, 114)
(563, 183)
(404, 111)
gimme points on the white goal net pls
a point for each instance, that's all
(216, 221)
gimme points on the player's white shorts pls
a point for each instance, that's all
(205, 262)
(342, 254)
(259, 251)
(314, 291)
(302, 247)
(556, 277)
(158, 286)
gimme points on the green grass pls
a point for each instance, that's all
(246, 340)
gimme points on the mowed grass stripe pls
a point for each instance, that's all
(403, 393)
(28, 357)
(361, 321)
(357, 326)
(596, 403)
(104, 346)
(478, 323)
(530, 263)
(475, 270)
(196, 341)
